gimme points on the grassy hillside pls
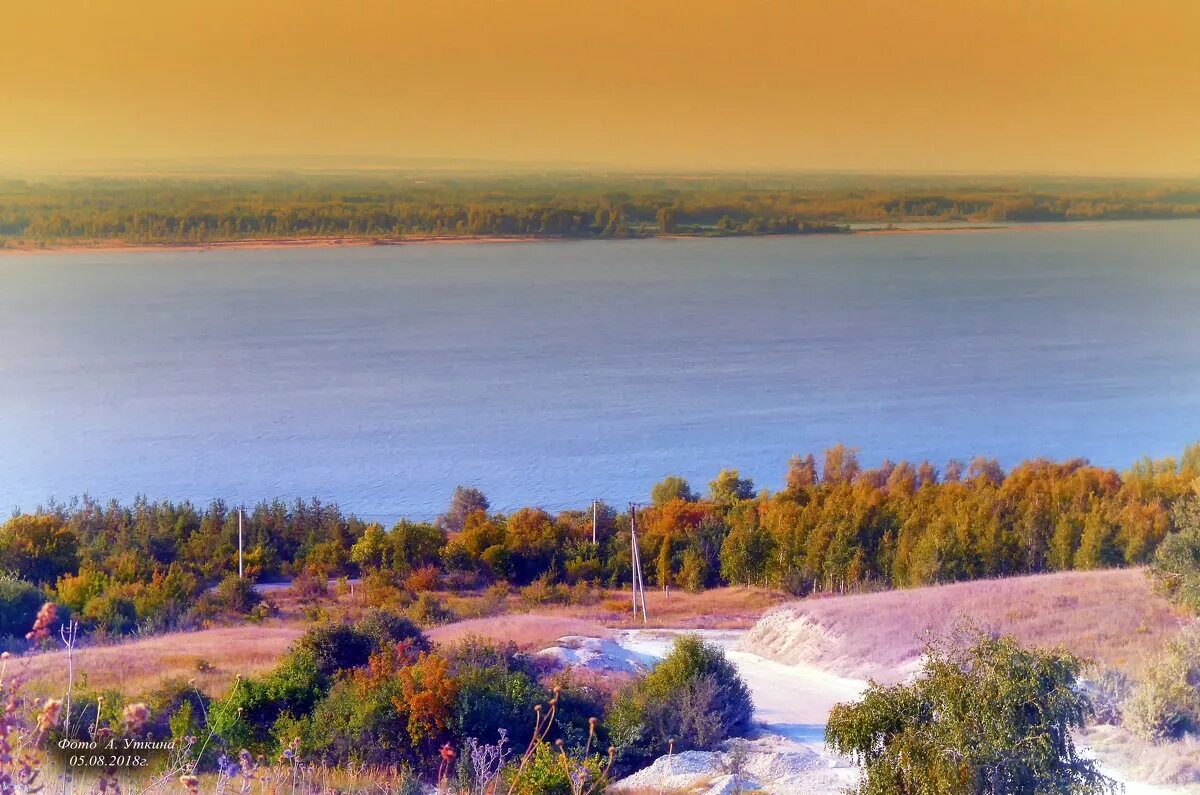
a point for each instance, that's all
(214, 657)
(1109, 616)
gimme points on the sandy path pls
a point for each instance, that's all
(794, 701)
(790, 700)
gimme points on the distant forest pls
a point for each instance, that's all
(389, 206)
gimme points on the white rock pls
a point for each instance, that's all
(596, 654)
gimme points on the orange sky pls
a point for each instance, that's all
(1067, 86)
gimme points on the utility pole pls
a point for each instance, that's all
(639, 587)
(633, 555)
(239, 543)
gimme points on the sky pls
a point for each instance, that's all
(1034, 86)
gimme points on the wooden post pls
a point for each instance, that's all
(239, 543)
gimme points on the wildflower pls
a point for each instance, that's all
(41, 624)
(190, 783)
(50, 714)
(447, 753)
(227, 766)
(134, 716)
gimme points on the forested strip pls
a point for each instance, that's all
(198, 210)
(835, 527)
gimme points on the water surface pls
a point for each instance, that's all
(552, 373)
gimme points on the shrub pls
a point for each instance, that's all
(110, 613)
(177, 709)
(494, 698)
(985, 716)
(336, 647)
(246, 717)
(389, 628)
(492, 602)
(694, 696)
(1165, 704)
(233, 596)
(1107, 689)
(1175, 568)
(358, 723)
(19, 603)
(426, 578)
(379, 589)
(547, 774)
(429, 611)
(310, 586)
(498, 690)
(393, 710)
(582, 593)
(542, 591)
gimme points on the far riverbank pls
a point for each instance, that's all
(319, 242)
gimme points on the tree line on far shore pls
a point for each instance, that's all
(177, 211)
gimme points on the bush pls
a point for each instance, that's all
(310, 586)
(233, 596)
(1165, 704)
(430, 611)
(494, 698)
(985, 716)
(247, 716)
(336, 647)
(694, 696)
(547, 774)
(379, 589)
(1107, 689)
(110, 613)
(389, 628)
(1175, 568)
(426, 578)
(19, 604)
(356, 723)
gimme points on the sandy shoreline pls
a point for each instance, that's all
(121, 247)
(118, 246)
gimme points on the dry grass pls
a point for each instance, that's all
(138, 666)
(1112, 617)
(719, 608)
(529, 631)
(1176, 763)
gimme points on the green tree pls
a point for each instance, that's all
(39, 546)
(672, 487)
(984, 716)
(729, 487)
(370, 551)
(745, 552)
(465, 501)
(693, 572)
(532, 539)
(663, 566)
(416, 544)
(19, 605)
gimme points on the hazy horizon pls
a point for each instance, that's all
(1064, 87)
(268, 165)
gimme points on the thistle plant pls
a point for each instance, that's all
(486, 764)
(578, 772)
